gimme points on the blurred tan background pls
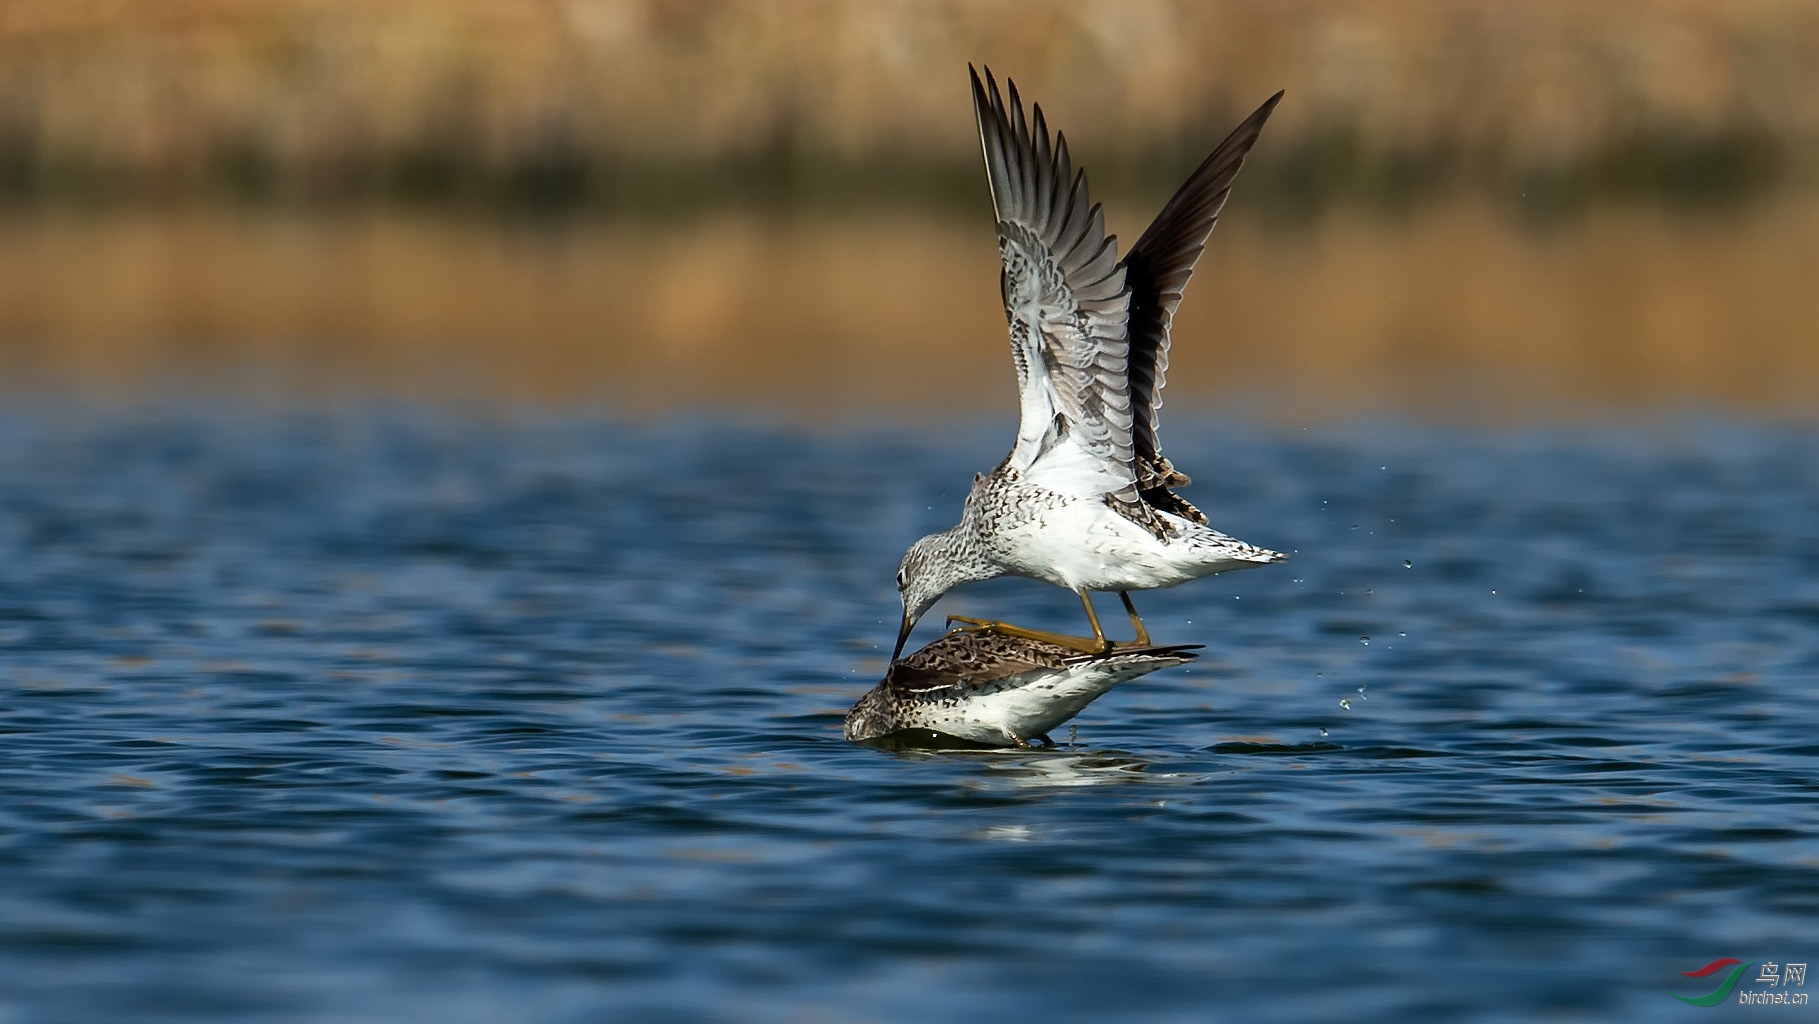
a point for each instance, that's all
(1461, 208)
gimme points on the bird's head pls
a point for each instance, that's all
(928, 570)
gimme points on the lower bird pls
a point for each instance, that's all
(996, 690)
(1085, 498)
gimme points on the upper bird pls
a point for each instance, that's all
(1083, 500)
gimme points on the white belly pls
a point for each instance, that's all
(1086, 544)
(1030, 705)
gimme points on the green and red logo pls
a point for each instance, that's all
(1723, 991)
(1770, 987)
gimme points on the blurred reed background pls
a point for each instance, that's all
(1462, 206)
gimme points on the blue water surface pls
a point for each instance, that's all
(472, 716)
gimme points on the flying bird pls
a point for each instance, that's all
(1085, 499)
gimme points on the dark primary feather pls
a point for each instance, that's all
(1157, 270)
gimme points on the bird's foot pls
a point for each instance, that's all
(1083, 644)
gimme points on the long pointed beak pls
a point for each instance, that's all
(902, 638)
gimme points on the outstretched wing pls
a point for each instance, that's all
(1064, 296)
(1157, 270)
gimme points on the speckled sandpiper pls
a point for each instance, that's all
(1084, 500)
(997, 690)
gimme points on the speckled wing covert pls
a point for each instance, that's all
(976, 658)
(1064, 292)
(1157, 270)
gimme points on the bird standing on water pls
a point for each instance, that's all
(1083, 500)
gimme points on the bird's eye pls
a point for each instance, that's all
(902, 581)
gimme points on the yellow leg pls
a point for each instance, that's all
(1093, 617)
(1098, 644)
(1143, 635)
(1083, 644)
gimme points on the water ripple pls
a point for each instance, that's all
(422, 716)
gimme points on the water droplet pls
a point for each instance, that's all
(1235, 597)
(1346, 703)
(1365, 640)
(1319, 673)
(1406, 564)
(1493, 591)
(1398, 634)
(1368, 591)
(1323, 730)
